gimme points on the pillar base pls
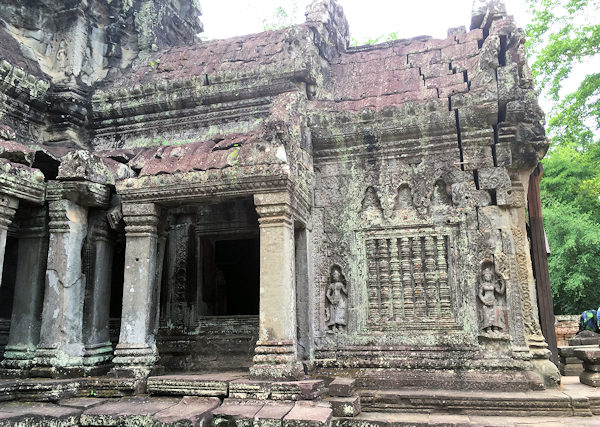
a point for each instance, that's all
(98, 354)
(18, 357)
(56, 363)
(56, 372)
(133, 361)
(591, 365)
(276, 360)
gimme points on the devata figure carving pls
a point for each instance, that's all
(490, 286)
(337, 295)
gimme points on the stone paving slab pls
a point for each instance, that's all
(208, 385)
(237, 412)
(82, 403)
(37, 414)
(189, 412)
(309, 414)
(272, 414)
(138, 411)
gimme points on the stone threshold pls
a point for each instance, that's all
(571, 399)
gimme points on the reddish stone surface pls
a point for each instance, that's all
(238, 54)
(308, 414)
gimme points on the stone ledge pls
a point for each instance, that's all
(208, 385)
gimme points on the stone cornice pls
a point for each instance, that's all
(22, 183)
(81, 192)
(16, 81)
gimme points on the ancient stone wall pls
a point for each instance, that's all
(388, 185)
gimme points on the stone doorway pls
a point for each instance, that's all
(210, 287)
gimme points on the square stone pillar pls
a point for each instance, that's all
(136, 353)
(276, 349)
(8, 207)
(60, 351)
(29, 290)
(98, 348)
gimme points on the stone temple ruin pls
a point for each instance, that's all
(278, 204)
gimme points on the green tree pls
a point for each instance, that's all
(571, 218)
(565, 35)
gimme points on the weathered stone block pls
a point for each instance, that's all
(271, 415)
(342, 387)
(127, 411)
(237, 412)
(37, 414)
(191, 385)
(345, 406)
(249, 389)
(190, 411)
(297, 390)
(308, 414)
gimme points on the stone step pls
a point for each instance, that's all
(297, 390)
(562, 402)
(206, 385)
(345, 406)
(446, 419)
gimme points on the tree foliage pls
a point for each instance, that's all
(571, 218)
(563, 35)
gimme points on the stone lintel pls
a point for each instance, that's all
(84, 193)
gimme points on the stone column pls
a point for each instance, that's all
(136, 352)
(8, 207)
(276, 349)
(60, 351)
(29, 290)
(98, 348)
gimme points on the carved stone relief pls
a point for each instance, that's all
(407, 277)
(490, 293)
(336, 311)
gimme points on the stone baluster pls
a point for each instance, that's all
(8, 207)
(276, 349)
(60, 351)
(29, 290)
(407, 283)
(98, 348)
(136, 353)
(396, 284)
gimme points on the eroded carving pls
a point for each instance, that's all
(336, 312)
(491, 290)
(407, 278)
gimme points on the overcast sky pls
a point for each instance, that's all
(367, 19)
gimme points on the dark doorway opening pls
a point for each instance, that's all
(237, 277)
